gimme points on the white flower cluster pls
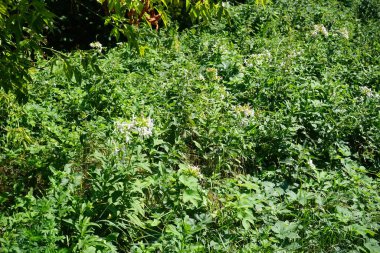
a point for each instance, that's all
(366, 91)
(320, 29)
(143, 127)
(258, 59)
(344, 33)
(195, 170)
(96, 45)
(223, 92)
(191, 170)
(288, 60)
(311, 164)
(295, 53)
(247, 112)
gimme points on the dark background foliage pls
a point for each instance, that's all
(77, 24)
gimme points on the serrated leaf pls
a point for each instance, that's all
(157, 142)
(154, 223)
(135, 220)
(285, 230)
(372, 245)
(192, 196)
(189, 181)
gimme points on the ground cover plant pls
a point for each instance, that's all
(259, 133)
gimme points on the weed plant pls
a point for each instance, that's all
(257, 134)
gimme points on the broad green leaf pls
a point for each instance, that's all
(189, 181)
(372, 246)
(285, 230)
(190, 195)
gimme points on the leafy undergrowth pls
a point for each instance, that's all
(259, 135)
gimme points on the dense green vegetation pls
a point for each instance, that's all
(260, 133)
(22, 23)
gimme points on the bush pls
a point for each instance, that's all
(258, 134)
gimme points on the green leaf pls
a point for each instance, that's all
(164, 2)
(157, 142)
(189, 181)
(78, 76)
(154, 223)
(372, 245)
(90, 249)
(246, 224)
(198, 145)
(190, 195)
(188, 3)
(135, 220)
(285, 230)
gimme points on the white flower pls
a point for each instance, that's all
(195, 169)
(144, 131)
(244, 122)
(127, 138)
(366, 91)
(120, 126)
(259, 59)
(248, 63)
(246, 110)
(96, 45)
(320, 29)
(249, 113)
(192, 170)
(344, 33)
(142, 127)
(295, 53)
(324, 31)
(129, 126)
(145, 128)
(150, 122)
(311, 164)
